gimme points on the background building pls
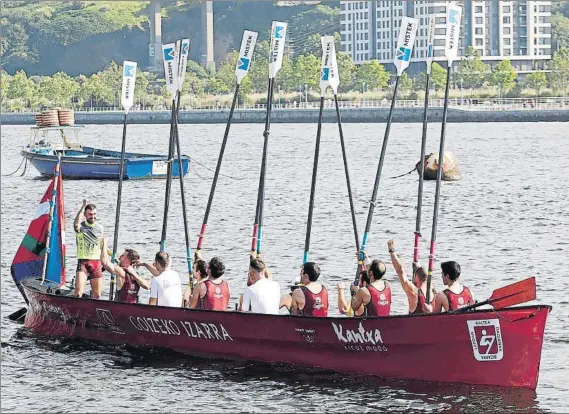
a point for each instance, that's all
(516, 30)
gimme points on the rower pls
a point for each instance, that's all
(346, 307)
(166, 287)
(312, 298)
(262, 295)
(375, 295)
(455, 296)
(89, 240)
(200, 274)
(128, 281)
(417, 289)
(213, 293)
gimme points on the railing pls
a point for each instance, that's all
(467, 104)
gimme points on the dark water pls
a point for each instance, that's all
(506, 220)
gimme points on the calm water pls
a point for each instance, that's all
(506, 220)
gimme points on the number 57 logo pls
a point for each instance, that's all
(486, 339)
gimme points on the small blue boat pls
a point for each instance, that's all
(93, 163)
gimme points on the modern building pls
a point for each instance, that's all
(518, 30)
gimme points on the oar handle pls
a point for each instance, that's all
(469, 307)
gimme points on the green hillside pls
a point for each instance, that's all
(84, 37)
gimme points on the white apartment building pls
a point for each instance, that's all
(518, 30)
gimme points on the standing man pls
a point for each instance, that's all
(89, 235)
(262, 295)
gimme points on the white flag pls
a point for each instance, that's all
(329, 76)
(245, 54)
(454, 15)
(278, 35)
(170, 68)
(405, 43)
(183, 64)
(128, 82)
(430, 41)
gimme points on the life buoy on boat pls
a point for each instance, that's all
(451, 170)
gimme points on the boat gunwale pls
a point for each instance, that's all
(25, 283)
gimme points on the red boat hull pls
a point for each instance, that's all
(501, 348)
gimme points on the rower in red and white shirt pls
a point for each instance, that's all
(375, 294)
(416, 289)
(455, 296)
(311, 299)
(213, 293)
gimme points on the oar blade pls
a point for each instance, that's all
(19, 315)
(514, 294)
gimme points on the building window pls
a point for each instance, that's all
(441, 20)
(544, 19)
(507, 41)
(439, 42)
(442, 30)
(479, 20)
(349, 6)
(478, 9)
(506, 20)
(479, 31)
(366, 36)
(506, 9)
(507, 52)
(546, 8)
(545, 30)
(507, 30)
(479, 42)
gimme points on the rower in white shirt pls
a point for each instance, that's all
(263, 295)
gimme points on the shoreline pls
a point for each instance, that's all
(350, 115)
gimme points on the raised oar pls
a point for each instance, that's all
(171, 75)
(127, 100)
(327, 50)
(334, 79)
(242, 68)
(278, 34)
(451, 52)
(183, 61)
(402, 57)
(510, 295)
(429, 62)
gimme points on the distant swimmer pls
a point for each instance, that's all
(89, 235)
(128, 280)
(311, 299)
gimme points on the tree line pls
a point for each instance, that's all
(300, 74)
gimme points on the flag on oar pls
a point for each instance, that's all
(29, 259)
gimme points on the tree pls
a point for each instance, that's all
(438, 78)
(505, 75)
(20, 87)
(560, 29)
(373, 75)
(4, 81)
(405, 83)
(307, 71)
(472, 71)
(559, 75)
(536, 80)
(59, 89)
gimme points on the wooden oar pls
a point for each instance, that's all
(278, 35)
(127, 100)
(404, 49)
(451, 52)
(242, 68)
(171, 75)
(510, 295)
(429, 62)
